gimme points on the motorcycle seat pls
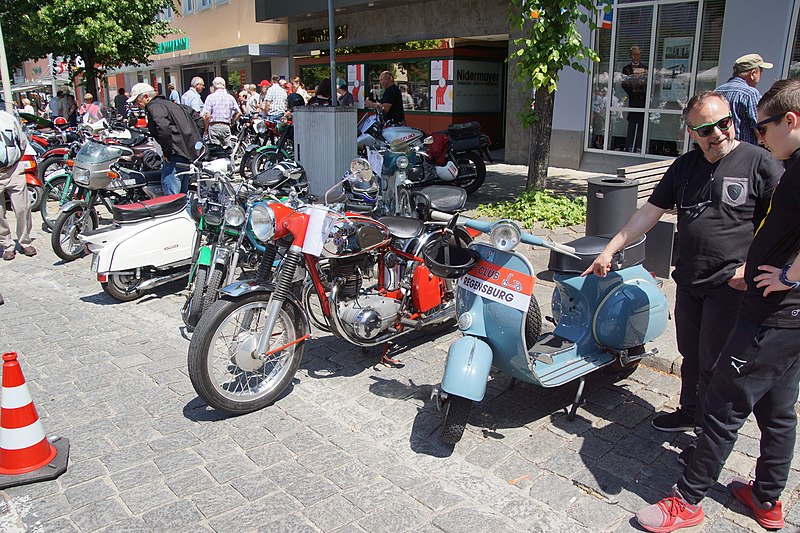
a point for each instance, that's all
(156, 207)
(402, 227)
(588, 248)
(445, 198)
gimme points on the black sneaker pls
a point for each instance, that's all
(686, 455)
(680, 420)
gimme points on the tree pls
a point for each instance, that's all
(20, 31)
(104, 33)
(548, 40)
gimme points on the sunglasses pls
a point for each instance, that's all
(700, 204)
(761, 127)
(704, 130)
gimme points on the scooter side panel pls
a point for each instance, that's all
(467, 368)
(162, 242)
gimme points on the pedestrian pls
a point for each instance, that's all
(722, 193)
(54, 105)
(121, 103)
(13, 144)
(173, 94)
(345, 98)
(90, 110)
(192, 97)
(173, 128)
(300, 89)
(251, 103)
(322, 94)
(72, 110)
(408, 100)
(391, 102)
(286, 86)
(63, 104)
(634, 82)
(221, 110)
(275, 101)
(759, 366)
(27, 107)
(740, 91)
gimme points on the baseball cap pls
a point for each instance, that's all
(138, 90)
(749, 62)
(264, 83)
(282, 82)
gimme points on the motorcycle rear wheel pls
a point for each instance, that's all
(456, 412)
(121, 287)
(471, 171)
(265, 160)
(232, 327)
(64, 238)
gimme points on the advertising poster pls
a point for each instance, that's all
(479, 86)
(442, 86)
(676, 69)
(355, 84)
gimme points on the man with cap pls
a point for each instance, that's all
(173, 127)
(221, 110)
(192, 96)
(263, 87)
(740, 91)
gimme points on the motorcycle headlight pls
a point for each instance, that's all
(262, 220)
(402, 162)
(505, 235)
(260, 127)
(81, 176)
(234, 216)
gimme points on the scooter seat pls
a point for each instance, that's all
(445, 198)
(588, 248)
(156, 207)
(402, 227)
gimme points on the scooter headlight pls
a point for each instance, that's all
(234, 216)
(260, 127)
(262, 220)
(402, 162)
(505, 235)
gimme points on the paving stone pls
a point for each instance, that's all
(257, 515)
(436, 495)
(217, 500)
(189, 482)
(556, 491)
(404, 515)
(131, 525)
(601, 482)
(145, 497)
(377, 493)
(311, 489)
(81, 472)
(178, 462)
(180, 515)
(596, 514)
(351, 474)
(333, 513)
(59, 525)
(133, 477)
(254, 486)
(98, 515)
(566, 463)
(236, 465)
(470, 519)
(295, 523)
(48, 508)
(89, 492)
(270, 454)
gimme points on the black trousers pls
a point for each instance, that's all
(758, 372)
(703, 320)
(633, 139)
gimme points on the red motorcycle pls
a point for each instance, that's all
(367, 283)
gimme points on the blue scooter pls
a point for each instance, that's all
(599, 321)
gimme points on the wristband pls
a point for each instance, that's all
(782, 278)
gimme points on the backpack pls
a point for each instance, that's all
(10, 143)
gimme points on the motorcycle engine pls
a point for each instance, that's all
(350, 270)
(368, 316)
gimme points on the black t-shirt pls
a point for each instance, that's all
(392, 96)
(776, 243)
(719, 207)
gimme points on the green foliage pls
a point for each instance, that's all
(21, 31)
(536, 205)
(235, 80)
(395, 47)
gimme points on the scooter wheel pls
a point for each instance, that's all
(456, 413)
(122, 288)
(35, 193)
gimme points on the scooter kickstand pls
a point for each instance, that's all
(577, 402)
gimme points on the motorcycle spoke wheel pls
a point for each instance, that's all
(52, 198)
(471, 171)
(222, 368)
(456, 413)
(212, 287)
(66, 229)
(264, 161)
(122, 287)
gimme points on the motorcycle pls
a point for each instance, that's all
(368, 285)
(268, 152)
(462, 146)
(28, 164)
(599, 321)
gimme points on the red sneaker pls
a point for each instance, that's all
(671, 513)
(768, 516)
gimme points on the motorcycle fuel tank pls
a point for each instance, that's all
(406, 134)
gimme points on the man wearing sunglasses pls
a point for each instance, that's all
(722, 192)
(759, 366)
(740, 91)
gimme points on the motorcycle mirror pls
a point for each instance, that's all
(198, 145)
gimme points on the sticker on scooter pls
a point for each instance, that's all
(499, 284)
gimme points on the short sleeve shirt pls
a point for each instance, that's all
(192, 99)
(719, 207)
(276, 95)
(221, 106)
(393, 96)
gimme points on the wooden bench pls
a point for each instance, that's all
(660, 244)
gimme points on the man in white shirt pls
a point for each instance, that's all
(192, 96)
(13, 146)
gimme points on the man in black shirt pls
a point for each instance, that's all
(759, 366)
(391, 101)
(722, 192)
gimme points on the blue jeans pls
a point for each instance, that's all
(170, 182)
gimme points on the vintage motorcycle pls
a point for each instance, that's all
(368, 285)
(599, 321)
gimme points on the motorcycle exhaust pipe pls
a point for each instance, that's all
(155, 282)
(436, 318)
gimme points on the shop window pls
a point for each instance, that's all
(710, 40)
(794, 64)
(188, 7)
(220, 2)
(311, 76)
(412, 77)
(203, 4)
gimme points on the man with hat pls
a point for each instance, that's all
(740, 91)
(174, 129)
(262, 97)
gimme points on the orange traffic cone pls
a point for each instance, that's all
(26, 455)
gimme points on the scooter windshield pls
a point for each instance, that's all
(96, 152)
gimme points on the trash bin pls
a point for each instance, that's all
(610, 203)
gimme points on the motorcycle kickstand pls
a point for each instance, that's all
(385, 359)
(577, 402)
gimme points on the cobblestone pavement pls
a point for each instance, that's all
(350, 447)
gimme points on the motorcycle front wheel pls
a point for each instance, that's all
(52, 198)
(67, 227)
(456, 412)
(122, 287)
(195, 305)
(222, 368)
(471, 171)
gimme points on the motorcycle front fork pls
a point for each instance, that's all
(283, 286)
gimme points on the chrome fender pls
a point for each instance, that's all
(466, 371)
(74, 203)
(239, 289)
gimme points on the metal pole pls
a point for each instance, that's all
(332, 43)
(4, 74)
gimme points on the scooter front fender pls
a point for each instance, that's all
(466, 371)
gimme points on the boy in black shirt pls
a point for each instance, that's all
(758, 370)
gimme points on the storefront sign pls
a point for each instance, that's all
(355, 84)
(308, 35)
(442, 86)
(478, 87)
(167, 47)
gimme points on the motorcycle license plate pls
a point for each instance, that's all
(499, 284)
(95, 262)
